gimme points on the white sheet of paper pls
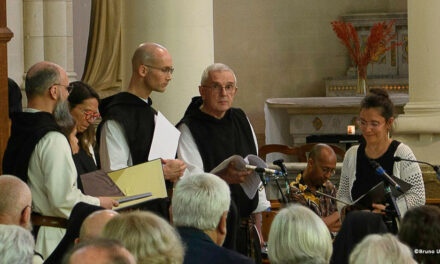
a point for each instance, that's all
(165, 139)
(252, 182)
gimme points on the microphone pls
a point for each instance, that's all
(380, 171)
(265, 170)
(279, 163)
(436, 168)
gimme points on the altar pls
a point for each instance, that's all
(290, 120)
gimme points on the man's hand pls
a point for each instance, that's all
(332, 222)
(173, 169)
(107, 202)
(234, 176)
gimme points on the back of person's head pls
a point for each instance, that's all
(381, 249)
(199, 201)
(298, 235)
(355, 227)
(420, 229)
(147, 236)
(15, 201)
(14, 97)
(379, 98)
(16, 245)
(99, 251)
(94, 223)
(40, 77)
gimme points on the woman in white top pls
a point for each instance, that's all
(358, 175)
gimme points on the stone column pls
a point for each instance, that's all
(48, 33)
(419, 127)
(185, 28)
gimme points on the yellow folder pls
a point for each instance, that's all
(142, 178)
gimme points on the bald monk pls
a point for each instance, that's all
(93, 224)
(127, 128)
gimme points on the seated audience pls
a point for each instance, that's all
(79, 212)
(356, 226)
(321, 166)
(100, 251)
(199, 208)
(420, 230)
(15, 202)
(147, 236)
(358, 176)
(298, 235)
(92, 226)
(381, 249)
(16, 245)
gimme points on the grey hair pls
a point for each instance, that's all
(384, 248)
(147, 236)
(16, 245)
(298, 235)
(40, 77)
(200, 200)
(216, 67)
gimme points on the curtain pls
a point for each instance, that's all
(102, 70)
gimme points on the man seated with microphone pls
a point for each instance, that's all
(312, 188)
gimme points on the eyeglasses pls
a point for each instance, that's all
(91, 116)
(328, 170)
(169, 70)
(374, 124)
(218, 88)
(68, 87)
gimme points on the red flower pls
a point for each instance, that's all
(379, 41)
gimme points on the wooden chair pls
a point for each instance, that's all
(300, 152)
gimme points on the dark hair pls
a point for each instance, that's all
(79, 92)
(420, 229)
(379, 98)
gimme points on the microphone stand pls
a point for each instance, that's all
(435, 167)
(392, 215)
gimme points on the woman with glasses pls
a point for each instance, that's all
(84, 103)
(358, 176)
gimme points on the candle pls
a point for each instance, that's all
(351, 130)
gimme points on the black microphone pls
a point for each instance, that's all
(380, 171)
(436, 168)
(279, 163)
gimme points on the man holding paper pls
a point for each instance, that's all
(212, 131)
(129, 122)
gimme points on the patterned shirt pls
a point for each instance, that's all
(323, 206)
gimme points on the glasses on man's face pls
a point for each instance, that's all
(91, 116)
(229, 88)
(166, 70)
(327, 170)
(373, 124)
(68, 87)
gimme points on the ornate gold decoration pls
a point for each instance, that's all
(317, 123)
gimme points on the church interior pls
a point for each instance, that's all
(295, 79)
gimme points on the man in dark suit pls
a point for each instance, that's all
(199, 207)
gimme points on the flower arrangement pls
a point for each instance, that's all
(379, 41)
